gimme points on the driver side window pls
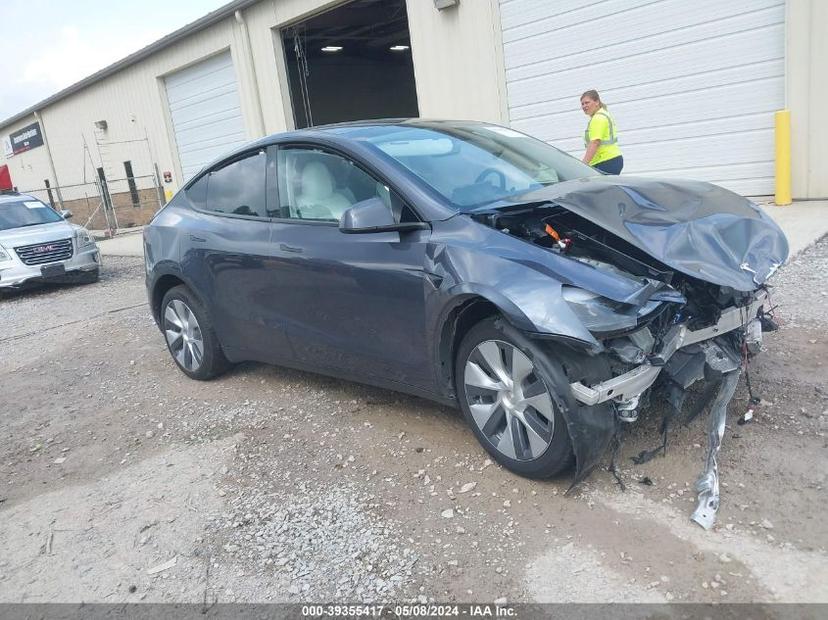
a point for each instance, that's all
(319, 186)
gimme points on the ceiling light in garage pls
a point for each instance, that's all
(332, 48)
(398, 48)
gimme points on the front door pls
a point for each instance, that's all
(229, 256)
(352, 303)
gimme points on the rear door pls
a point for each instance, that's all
(227, 255)
(351, 303)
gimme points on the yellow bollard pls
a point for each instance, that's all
(782, 120)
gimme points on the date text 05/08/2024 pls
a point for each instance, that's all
(408, 611)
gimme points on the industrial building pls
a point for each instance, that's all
(694, 88)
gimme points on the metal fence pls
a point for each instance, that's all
(107, 205)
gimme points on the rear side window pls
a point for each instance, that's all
(197, 193)
(236, 189)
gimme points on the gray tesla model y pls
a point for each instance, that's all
(470, 264)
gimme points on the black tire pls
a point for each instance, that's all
(90, 277)
(558, 455)
(212, 363)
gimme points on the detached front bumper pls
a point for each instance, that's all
(17, 274)
(632, 384)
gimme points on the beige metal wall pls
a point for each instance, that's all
(132, 102)
(807, 95)
(29, 167)
(458, 67)
(457, 63)
(265, 20)
(458, 60)
(457, 53)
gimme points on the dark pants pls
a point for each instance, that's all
(611, 166)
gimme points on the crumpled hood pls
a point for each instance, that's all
(700, 229)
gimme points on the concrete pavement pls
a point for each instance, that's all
(125, 244)
(804, 223)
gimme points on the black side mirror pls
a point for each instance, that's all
(66, 214)
(374, 216)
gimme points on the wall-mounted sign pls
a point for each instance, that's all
(27, 138)
(7, 147)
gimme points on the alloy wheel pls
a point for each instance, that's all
(508, 400)
(183, 335)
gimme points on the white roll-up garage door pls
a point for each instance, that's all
(206, 112)
(692, 86)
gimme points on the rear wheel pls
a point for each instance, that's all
(191, 339)
(510, 402)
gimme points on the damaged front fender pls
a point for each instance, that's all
(529, 300)
(590, 428)
(524, 281)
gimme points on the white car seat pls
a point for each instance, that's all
(318, 198)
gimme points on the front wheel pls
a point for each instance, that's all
(510, 402)
(191, 339)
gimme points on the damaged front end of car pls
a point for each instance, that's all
(688, 306)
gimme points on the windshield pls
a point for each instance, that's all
(28, 212)
(475, 164)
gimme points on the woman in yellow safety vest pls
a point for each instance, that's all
(600, 136)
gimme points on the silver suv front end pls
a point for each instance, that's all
(57, 256)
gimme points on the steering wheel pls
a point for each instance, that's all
(492, 171)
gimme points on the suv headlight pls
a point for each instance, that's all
(599, 314)
(83, 237)
(5, 257)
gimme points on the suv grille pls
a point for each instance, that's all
(40, 253)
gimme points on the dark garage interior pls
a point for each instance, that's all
(352, 62)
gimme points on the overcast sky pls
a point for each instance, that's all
(46, 45)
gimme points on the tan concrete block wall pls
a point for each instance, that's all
(82, 208)
(127, 214)
(130, 215)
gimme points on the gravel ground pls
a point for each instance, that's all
(802, 293)
(122, 480)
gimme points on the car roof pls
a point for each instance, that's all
(425, 123)
(15, 197)
(348, 128)
(336, 132)
(367, 123)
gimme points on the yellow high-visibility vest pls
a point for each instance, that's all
(602, 127)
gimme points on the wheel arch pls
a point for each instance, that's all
(469, 304)
(458, 318)
(590, 428)
(160, 288)
(162, 285)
